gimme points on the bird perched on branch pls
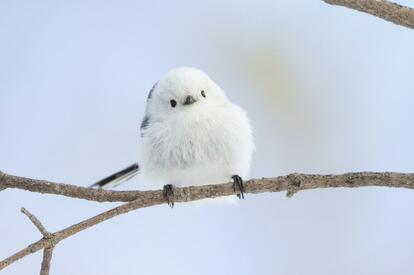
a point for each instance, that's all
(192, 135)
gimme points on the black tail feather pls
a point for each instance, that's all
(124, 174)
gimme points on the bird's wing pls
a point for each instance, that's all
(145, 123)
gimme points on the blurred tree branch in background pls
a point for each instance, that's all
(140, 199)
(386, 10)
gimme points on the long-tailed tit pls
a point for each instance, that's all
(192, 135)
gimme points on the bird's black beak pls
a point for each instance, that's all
(189, 100)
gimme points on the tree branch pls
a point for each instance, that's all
(47, 187)
(47, 258)
(35, 222)
(58, 236)
(275, 184)
(291, 183)
(48, 250)
(386, 10)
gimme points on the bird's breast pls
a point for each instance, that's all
(203, 150)
(181, 145)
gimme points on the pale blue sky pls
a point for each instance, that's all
(328, 90)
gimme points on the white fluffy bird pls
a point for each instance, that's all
(192, 135)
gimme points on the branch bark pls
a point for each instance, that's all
(48, 250)
(386, 10)
(35, 222)
(276, 184)
(141, 199)
(47, 187)
(47, 258)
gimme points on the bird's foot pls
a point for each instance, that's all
(238, 186)
(169, 194)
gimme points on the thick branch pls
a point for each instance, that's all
(47, 187)
(386, 10)
(291, 183)
(276, 184)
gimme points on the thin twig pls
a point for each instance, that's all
(35, 221)
(386, 10)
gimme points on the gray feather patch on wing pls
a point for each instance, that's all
(146, 120)
(145, 124)
(152, 90)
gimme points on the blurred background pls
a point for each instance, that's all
(328, 90)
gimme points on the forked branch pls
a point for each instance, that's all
(48, 250)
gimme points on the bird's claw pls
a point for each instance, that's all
(168, 191)
(238, 186)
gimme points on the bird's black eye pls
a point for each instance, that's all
(173, 103)
(203, 93)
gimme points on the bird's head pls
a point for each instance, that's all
(184, 91)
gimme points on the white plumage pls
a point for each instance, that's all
(205, 142)
(191, 135)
